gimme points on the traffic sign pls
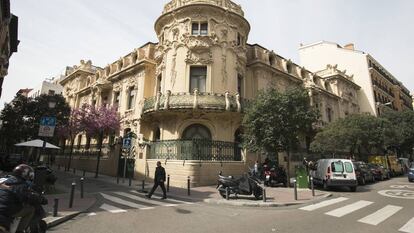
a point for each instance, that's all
(126, 143)
(47, 126)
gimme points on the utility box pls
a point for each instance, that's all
(302, 178)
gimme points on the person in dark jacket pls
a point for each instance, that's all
(17, 198)
(159, 179)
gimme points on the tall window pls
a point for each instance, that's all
(51, 92)
(198, 75)
(199, 29)
(131, 97)
(240, 84)
(157, 134)
(159, 83)
(116, 100)
(239, 39)
(329, 114)
(105, 101)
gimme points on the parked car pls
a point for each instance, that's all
(363, 173)
(405, 163)
(379, 171)
(334, 173)
(411, 173)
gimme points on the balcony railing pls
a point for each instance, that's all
(207, 101)
(195, 149)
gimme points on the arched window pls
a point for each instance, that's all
(196, 131)
(157, 134)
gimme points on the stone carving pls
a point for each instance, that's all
(173, 71)
(199, 58)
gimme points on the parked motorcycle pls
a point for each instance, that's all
(248, 184)
(274, 176)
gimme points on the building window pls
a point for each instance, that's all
(157, 134)
(198, 76)
(196, 131)
(159, 79)
(116, 100)
(329, 114)
(131, 98)
(289, 68)
(240, 84)
(105, 101)
(240, 39)
(199, 29)
(272, 60)
(51, 92)
(93, 102)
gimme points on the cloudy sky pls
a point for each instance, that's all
(57, 33)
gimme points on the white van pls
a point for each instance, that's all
(335, 172)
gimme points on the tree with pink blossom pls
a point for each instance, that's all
(98, 122)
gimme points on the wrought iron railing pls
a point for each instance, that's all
(195, 149)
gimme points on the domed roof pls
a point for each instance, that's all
(225, 4)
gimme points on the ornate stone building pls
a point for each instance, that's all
(8, 38)
(184, 96)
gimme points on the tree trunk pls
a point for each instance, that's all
(98, 160)
(288, 166)
(72, 142)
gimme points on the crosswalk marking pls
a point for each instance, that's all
(348, 208)
(380, 215)
(324, 204)
(408, 227)
(137, 198)
(112, 209)
(174, 200)
(122, 202)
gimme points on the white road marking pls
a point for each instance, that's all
(112, 209)
(323, 204)
(123, 202)
(348, 208)
(174, 200)
(92, 214)
(380, 215)
(408, 227)
(134, 197)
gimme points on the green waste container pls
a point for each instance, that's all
(302, 177)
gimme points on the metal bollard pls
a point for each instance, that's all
(188, 186)
(81, 187)
(312, 186)
(168, 183)
(72, 194)
(55, 207)
(84, 173)
(129, 181)
(295, 187)
(264, 195)
(117, 179)
(227, 193)
(143, 186)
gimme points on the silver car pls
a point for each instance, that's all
(411, 173)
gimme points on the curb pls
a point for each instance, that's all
(262, 204)
(59, 220)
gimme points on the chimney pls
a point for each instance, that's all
(350, 46)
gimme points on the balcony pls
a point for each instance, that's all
(196, 149)
(202, 101)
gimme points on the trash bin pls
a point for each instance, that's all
(302, 177)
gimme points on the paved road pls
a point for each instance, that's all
(382, 207)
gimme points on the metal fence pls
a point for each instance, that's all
(195, 149)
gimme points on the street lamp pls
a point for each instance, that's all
(382, 105)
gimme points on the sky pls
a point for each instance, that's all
(54, 34)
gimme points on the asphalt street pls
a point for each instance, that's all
(386, 207)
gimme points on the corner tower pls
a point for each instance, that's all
(202, 45)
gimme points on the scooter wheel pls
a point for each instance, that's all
(223, 194)
(258, 193)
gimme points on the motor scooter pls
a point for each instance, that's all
(248, 184)
(274, 176)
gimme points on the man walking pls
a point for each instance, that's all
(159, 179)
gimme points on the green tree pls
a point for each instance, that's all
(399, 136)
(275, 121)
(358, 134)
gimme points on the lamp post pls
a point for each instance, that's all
(381, 105)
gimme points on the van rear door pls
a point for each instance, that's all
(342, 170)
